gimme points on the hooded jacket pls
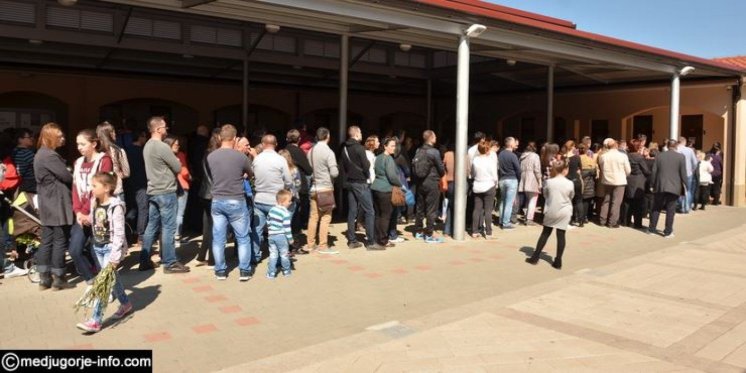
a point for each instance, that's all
(117, 241)
(355, 164)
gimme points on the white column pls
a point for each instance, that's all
(344, 65)
(550, 103)
(462, 129)
(675, 90)
(245, 97)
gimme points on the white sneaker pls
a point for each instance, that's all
(398, 239)
(669, 236)
(16, 272)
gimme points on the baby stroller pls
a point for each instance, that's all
(25, 228)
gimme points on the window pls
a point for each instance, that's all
(13, 11)
(153, 28)
(321, 48)
(80, 19)
(216, 35)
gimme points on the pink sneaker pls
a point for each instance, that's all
(90, 326)
(122, 311)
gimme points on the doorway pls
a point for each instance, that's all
(599, 130)
(691, 128)
(642, 124)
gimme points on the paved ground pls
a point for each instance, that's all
(625, 301)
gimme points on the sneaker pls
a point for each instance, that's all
(508, 226)
(271, 276)
(122, 311)
(328, 250)
(221, 275)
(89, 326)
(176, 267)
(16, 272)
(670, 235)
(390, 244)
(399, 239)
(375, 247)
(245, 276)
(419, 236)
(354, 245)
(287, 273)
(431, 239)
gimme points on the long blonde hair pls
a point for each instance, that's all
(288, 158)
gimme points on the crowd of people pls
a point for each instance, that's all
(264, 198)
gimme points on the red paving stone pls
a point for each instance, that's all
(230, 309)
(496, 256)
(424, 267)
(203, 329)
(356, 268)
(216, 298)
(399, 271)
(456, 262)
(158, 337)
(373, 275)
(339, 261)
(191, 280)
(476, 251)
(476, 259)
(202, 289)
(246, 321)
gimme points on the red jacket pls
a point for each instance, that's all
(12, 179)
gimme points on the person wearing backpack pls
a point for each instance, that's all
(428, 169)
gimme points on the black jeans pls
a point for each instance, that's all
(545, 233)
(586, 211)
(635, 210)
(716, 189)
(482, 214)
(139, 198)
(704, 195)
(663, 201)
(51, 254)
(428, 196)
(359, 196)
(205, 248)
(300, 218)
(383, 216)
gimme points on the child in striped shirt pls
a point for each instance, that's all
(280, 235)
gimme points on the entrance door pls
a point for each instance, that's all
(560, 130)
(691, 128)
(528, 129)
(599, 130)
(642, 124)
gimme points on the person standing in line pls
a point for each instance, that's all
(161, 167)
(53, 182)
(204, 255)
(386, 178)
(449, 162)
(614, 170)
(23, 158)
(635, 190)
(717, 173)
(355, 172)
(184, 179)
(509, 174)
(573, 174)
(136, 186)
(227, 168)
(428, 169)
(107, 137)
(669, 182)
(589, 173)
(705, 170)
(279, 235)
(484, 176)
(325, 170)
(300, 217)
(558, 195)
(530, 182)
(89, 163)
(687, 200)
(296, 177)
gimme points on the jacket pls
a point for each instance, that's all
(10, 179)
(355, 167)
(705, 172)
(530, 173)
(437, 170)
(614, 168)
(115, 214)
(386, 172)
(669, 173)
(636, 178)
(324, 165)
(205, 183)
(53, 182)
(301, 161)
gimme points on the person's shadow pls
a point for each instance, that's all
(140, 298)
(528, 251)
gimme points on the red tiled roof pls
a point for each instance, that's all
(738, 61)
(506, 14)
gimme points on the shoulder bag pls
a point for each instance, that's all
(324, 198)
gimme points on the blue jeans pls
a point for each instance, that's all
(102, 257)
(278, 248)
(508, 190)
(358, 194)
(686, 200)
(261, 210)
(448, 227)
(182, 201)
(235, 213)
(161, 215)
(83, 261)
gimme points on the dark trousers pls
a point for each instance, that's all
(716, 189)
(300, 217)
(428, 197)
(383, 216)
(545, 233)
(613, 197)
(635, 210)
(205, 248)
(51, 254)
(663, 201)
(482, 214)
(359, 196)
(80, 251)
(704, 195)
(585, 210)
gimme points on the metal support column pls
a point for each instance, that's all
(675, 90)
(550, 103)
(462, 129)
(245, 97)
(344, 64)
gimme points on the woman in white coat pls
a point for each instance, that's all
(558, 195)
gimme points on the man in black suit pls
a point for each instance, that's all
(669, 182)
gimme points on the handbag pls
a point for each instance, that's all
(325, 198)
(398, 198)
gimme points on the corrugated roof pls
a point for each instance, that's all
(506, 14)
(738, 61)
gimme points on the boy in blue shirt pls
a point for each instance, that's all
(280, 235)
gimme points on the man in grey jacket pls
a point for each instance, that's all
(325, 169)
(161, 166)
(271, 174)
(669, 182)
